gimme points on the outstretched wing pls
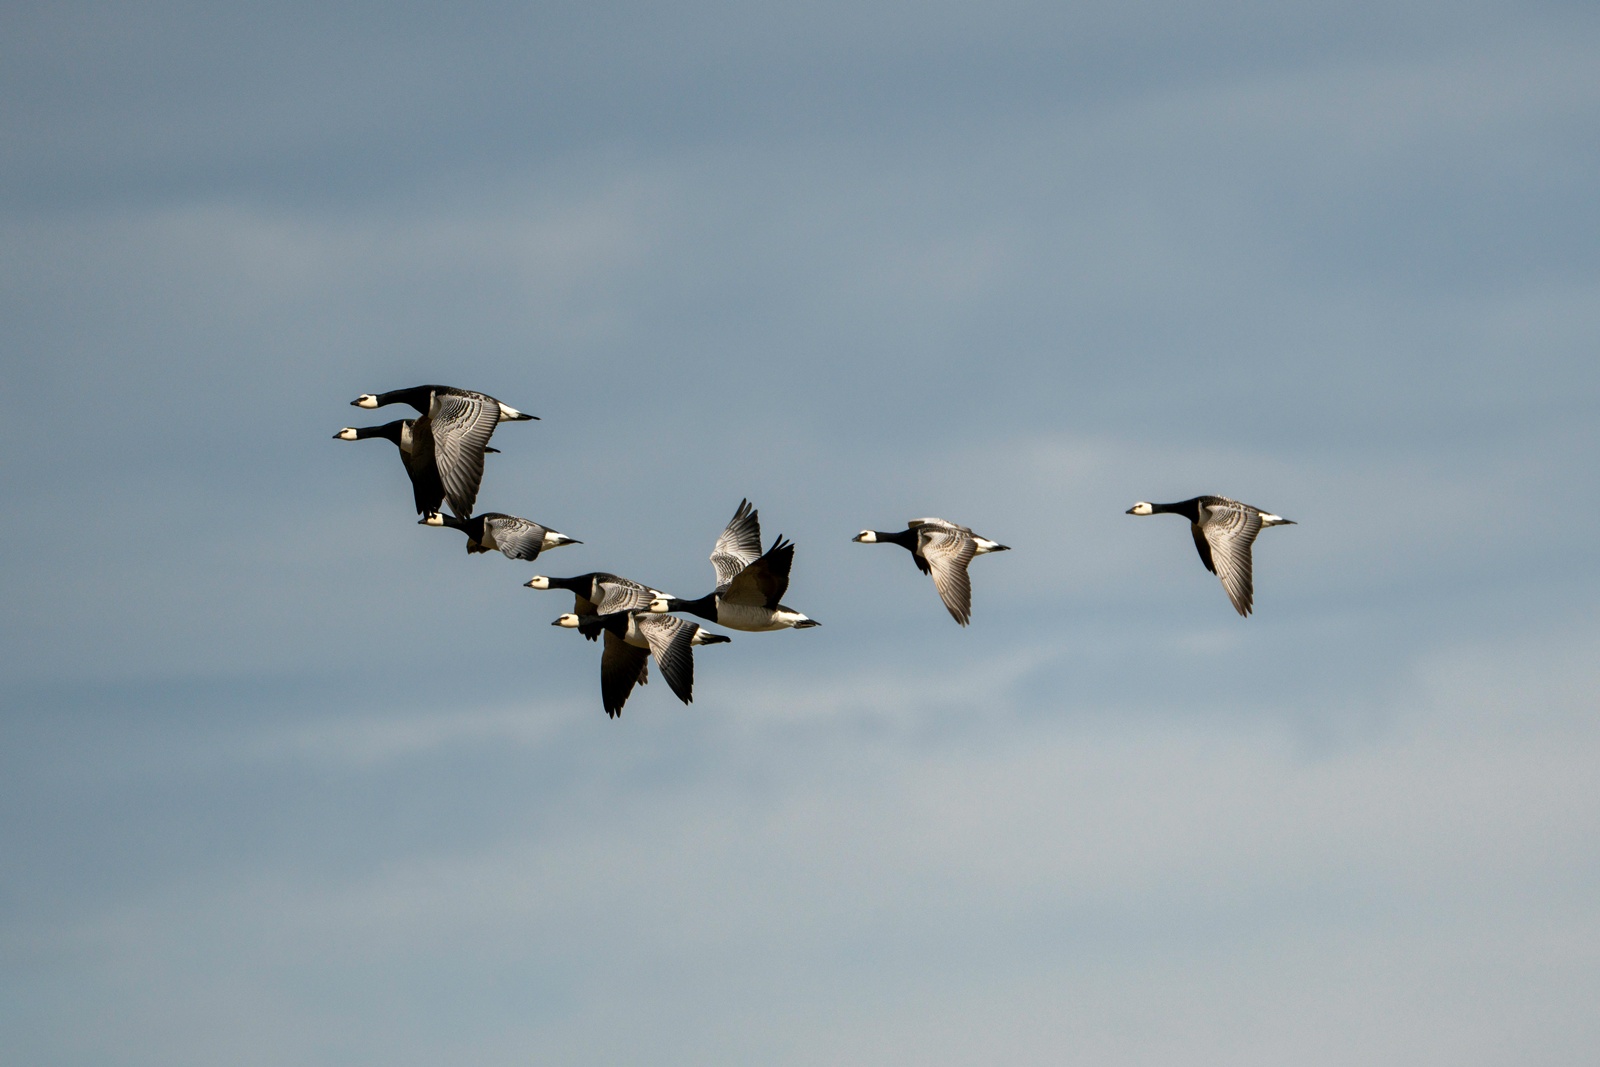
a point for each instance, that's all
(462, 424)
(671, 640)
(621, 667)
(739, 544)
(621, 594)
(518, 538)
(1230, 529)
(763, 583)
(948, 549)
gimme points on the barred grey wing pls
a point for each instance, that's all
(948, 549)
(739, 544)
(462, 425)
(1230, 529)
(671, 642)
(518, 538)
(621, 594)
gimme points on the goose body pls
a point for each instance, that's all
(515, 537)
(599, 593)
(631, 638)
(750, 583)
(1224, 531)
(942, 550)
(460, 423)
(416, 452)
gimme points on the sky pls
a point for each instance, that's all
(287, 778)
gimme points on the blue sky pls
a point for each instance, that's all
(289, 778)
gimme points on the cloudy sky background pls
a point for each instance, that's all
(285, 778)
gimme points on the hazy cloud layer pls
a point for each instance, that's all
(288, 778)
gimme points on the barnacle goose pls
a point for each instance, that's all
(1223, 531)
(631, 639)
(750, 583)
(940, 549)
(599, 593)
(517, 538)
(461, 423)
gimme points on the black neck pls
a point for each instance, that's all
(417, 396)
(582, 584)
(390, 430)
(903, 538)
(705, 607)
(1189, 509)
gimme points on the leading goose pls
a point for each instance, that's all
(750, 583)
(940, 549)
(631, 639)
(461, 423)
(1223, 531)
(516, 538)
(599, 593)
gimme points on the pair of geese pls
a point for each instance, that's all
(443, 453)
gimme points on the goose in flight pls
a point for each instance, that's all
(940, 549)
(1223, 532)
(631, 639)
(599, 593)
(750, 583)
(517, 538)
(459, 424)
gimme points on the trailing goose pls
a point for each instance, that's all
(1223, 532)
(940, 549)
(599, 593)
(515, 537)
(750, 583)
(631, 639)
(461, 422)
(416, 452)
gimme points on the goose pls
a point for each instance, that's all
(749, 582)
(632, 637)
(460, 422)
(416, 452)
(599, 593)
(517, 538)
(1223, 532)
(941, 549)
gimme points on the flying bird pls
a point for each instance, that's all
(1223, 532)
(599, 593)
(416, 452)
(940, 549)
(750, 583)
(459, 423)
(515, 537)
(631, 639)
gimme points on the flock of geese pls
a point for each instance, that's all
(443, 449)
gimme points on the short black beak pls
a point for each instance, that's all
(356, 402)
(1128, 512)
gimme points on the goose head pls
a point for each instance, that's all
(866, 537)
(1143, 507)
(568, 621)
(556, 540)
(349, 433)
(787, 616)
(432, 518)
(538, 581)
(365, 400)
